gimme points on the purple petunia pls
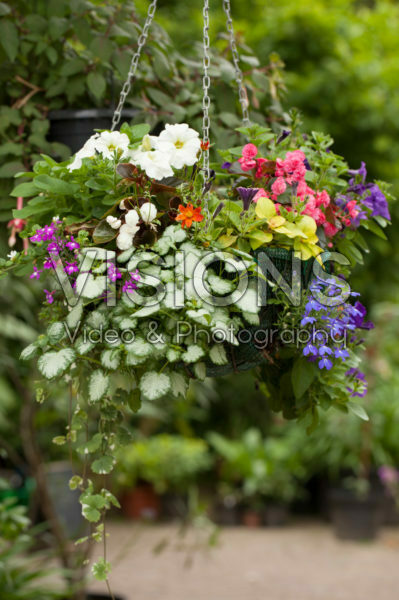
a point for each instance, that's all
(247, 195)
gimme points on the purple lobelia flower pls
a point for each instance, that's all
(247, 195)
(325, 363)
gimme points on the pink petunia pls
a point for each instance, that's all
(322, 199)
(247, 161)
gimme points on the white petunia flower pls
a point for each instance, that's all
(87, 151)
(114, 222)
(148, 212)
(110, 141)
(155, 163)
(131, 220)
(180, 143)
(13, 254)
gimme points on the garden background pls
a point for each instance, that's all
(333, 60)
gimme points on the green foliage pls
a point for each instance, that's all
(169, 462)
(256, 468)
(22, 577)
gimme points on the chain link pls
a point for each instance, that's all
(242, 92)
(133, 65)
(206, 101)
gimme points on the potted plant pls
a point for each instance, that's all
(161, 465)
(264, 473)
(109, 226)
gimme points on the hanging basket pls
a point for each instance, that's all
(248, 355)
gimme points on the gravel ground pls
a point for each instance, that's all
(299, 562)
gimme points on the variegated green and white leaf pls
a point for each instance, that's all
(53, 364)
(89, 286)
(251, 318)
(98, 385)
(154, 385)
(55, 332)
(29, 352)
(75, 315)
(179, 384)
(139, 347)
(173, 355)
(219, 285)
(218, 355)
(83, 346)
(192, 354)
(110, 359)
(200, 370)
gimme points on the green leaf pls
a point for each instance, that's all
(358, 410)
(4, 9)
(101, 569)
(179, 384)
(154, 385)
(98, 385)
(303, 374)
(54, 185)
(9, 169)
(137, 132)
(96, 84)
(92, 445)
(103, 465)
(104, 233)
(29, 352)
(9, 38)
(24, 190)
(53, 364)
(55, 332)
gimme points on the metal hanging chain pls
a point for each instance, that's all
(133, 65)
(242, 92)
(206, 101)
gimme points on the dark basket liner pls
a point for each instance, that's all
(249, 355)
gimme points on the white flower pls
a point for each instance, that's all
(180, 143)
(87, 151)
(113, 222)
(13, 254)
(124, 241)
(155, 163)
(148, 212)
(110, 141)
(128, 230)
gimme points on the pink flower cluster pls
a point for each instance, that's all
(248, 160)
(292, 168)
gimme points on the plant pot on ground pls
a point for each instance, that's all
(355, 517)
(252, 517)
(74, 127)
(141, 502)
(275, 515)
(66, 501)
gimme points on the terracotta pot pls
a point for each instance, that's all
(141, 503)
(251, 518)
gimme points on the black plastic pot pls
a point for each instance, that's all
(74, 127)
(353, 517)
(66, 501)
(275, 515)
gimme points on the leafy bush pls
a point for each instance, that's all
(169, 462)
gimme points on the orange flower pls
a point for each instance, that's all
(204, 145)
(188, 214)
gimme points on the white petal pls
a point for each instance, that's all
(114, 222)
(148, 212)
(124, 241)
(131, 218)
